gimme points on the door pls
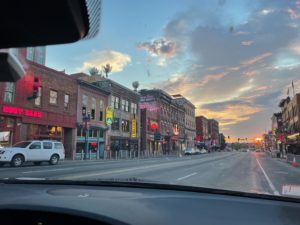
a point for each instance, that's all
(101, 150)
(47, 150)
(34, 151)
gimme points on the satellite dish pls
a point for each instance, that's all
(135, 85)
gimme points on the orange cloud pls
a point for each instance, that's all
(230, 114)
(256, 59)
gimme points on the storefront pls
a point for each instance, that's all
(21, 124)
(123, 143)
(95, 141)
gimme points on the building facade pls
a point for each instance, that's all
(189, 117)
(202, 128)
(91, 106)
(124, 132)
(52, 115)
(290, 109)
(277, 133)
(213, 132)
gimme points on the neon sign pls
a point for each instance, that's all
(21, 111)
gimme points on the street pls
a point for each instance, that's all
(241, 171)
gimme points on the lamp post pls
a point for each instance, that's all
(86, 119)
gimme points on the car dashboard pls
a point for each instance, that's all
(84, 204)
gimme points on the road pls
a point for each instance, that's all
(241, 171)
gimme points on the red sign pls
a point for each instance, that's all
(21, 111)
(279, 137)
(198, 137)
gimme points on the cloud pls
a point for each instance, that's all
(256, 59)
(293, 14)
(98, 59)
(159, 47)
(247, 43)
(228, 113)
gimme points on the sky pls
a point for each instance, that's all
(233, 59)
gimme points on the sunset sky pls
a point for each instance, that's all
(233, 59)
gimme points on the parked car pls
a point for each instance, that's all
(203, 151)
(189, 151)
(33, 151)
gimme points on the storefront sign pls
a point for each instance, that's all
(153, 125)
(133, 128)
(109, 115)
(21, 112)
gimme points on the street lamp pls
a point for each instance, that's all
(86, 119)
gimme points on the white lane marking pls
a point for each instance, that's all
(182, 178)
(281, 172)
(268, 179)
(42, 171)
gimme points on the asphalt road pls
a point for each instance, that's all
(241, 171)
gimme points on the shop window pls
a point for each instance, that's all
(116, 124)
(9, 92)
(53, 97)
(38, 100)
(125, 125)
(58, 146)
(47, 145)
(66, 101)
(36, 145)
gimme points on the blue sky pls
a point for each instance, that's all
(233, 59)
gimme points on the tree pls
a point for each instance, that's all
(107, 69)
(95, 72)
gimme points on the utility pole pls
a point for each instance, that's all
(86, 119)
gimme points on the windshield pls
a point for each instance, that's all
(196, 93)
(23, 144)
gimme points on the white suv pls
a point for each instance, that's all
(33, 151)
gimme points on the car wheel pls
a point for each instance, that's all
(37, 163)
(54, 159)
(17, 161)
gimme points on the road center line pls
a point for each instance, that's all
(41, 171)
(267, 178)
(182, 178)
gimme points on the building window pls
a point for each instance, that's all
(67, 101)
(133, 108)
(101, 104)
(126, 106)
(116, 124)
(29, 53)
(125, 125)
(93, 109)
(84, 105)
(53, 97)
(39, 55)
(38, 100)
(101, 116)
(115, 102)
(9, 92)
(123, 105)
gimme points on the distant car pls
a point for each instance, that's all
(33, 151)
(189, 151)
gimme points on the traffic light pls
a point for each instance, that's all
(36, 87)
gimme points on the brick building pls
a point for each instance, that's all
(92, 102)
(202, 128)
(158, 107)
(50, 116)
(189, 117)
(213, 131)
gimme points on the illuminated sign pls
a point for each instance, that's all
(109, 115)
(133, 128)
(175, 130)
(153, 125)
(21, 112)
